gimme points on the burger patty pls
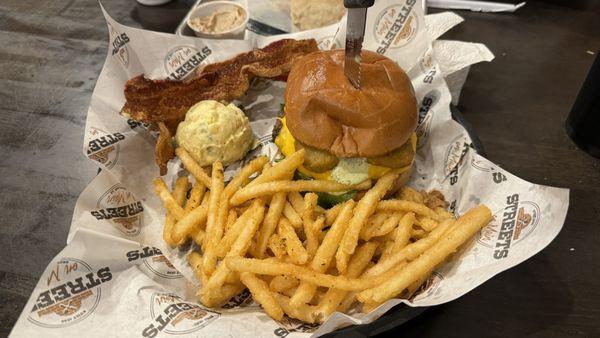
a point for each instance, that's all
(320, 161)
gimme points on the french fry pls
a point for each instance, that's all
(254, 166)
(376, 220)
(364, 208)
(264, 189)
(197, 236)
(388, 225)
(290, 213)
(359, 262)
(214, 230)
(271, 220)
(231, 218)
(466, 226)
(312, 241)
(179, 193)
(266, 166)
(232, 278)
(226, 292)
(385, 249)
(277, 246)
(418, 233)
(195, 260)
(289, 292)
(410, 194)
(332, 213)
(239, 248)
(227, 241)
(283, 169)
(318, 226)
(442, 212)
(321, 234)
(414, 287)
(411, 251)
(274, 268)
(402, 235)
(347, 302)
(305, 313)
(192, 166)
(160, 188)
(324, 254)
(196, 196)
(297, 201)
(282, 283)
(262, 295)
(419, 209)
(189, 222)
(248, 170)
(293, 245)
(319, 294)
(426, 223)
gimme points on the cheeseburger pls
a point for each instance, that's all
(349, 134)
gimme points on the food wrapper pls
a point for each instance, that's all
(116, 276)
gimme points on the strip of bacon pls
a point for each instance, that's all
(167, 101)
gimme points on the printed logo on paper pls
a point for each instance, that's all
(103, 147)
(482, 165)
(118, 206)
(243, 299)
(289, 325)
(510, 225)
(428, 68)
(183, 60)
(395, 26)
(454, 155)
(133, 124)
(485, 166)
(155, 261)
(426, 116)
(72, 291)
(171, 314)
(119, 43)
(426, 61)
(428, 287)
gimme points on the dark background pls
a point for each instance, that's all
(51, 53)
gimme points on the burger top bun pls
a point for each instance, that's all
(325, 111)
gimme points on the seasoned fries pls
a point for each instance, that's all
(293, 245)
(214, 229)
(466, 226)
(298, 259)
(269, 188)
(179, 192)
(271, 221)
(308, 218)
(192, 166)
(365, 208)
(262, 295)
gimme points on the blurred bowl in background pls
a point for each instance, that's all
(207, 9)
(153, 2)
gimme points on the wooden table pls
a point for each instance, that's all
(51, 53)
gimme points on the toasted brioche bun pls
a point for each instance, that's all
(325, 111)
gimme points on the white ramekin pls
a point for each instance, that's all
(206, 9)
